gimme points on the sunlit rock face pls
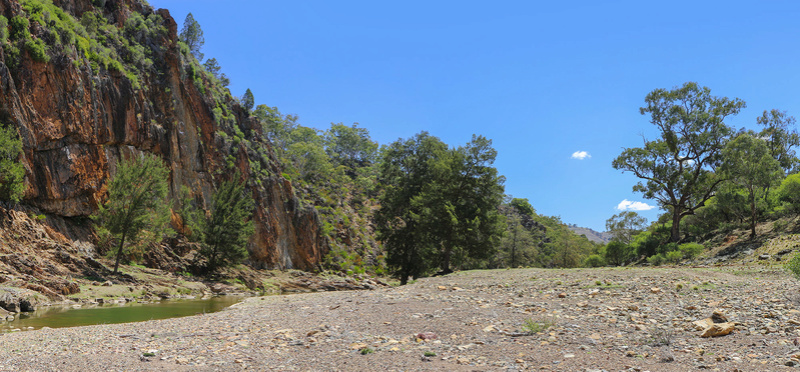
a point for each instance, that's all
(77, 123)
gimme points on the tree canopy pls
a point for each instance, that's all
(781, 137)
(248, 101)
(678, 168)
(624, 225)
(192, 35)
(439, 204)
(350, 145)
(750, 165)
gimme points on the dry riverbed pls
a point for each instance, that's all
(638, 319)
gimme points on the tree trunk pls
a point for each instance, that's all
(406, 269)
(752, 215)
(445, 264)
(119, 252)
(675, 233)
(514, 249)
(211, 265)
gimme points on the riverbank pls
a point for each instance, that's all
(142, 284)
(588, 319)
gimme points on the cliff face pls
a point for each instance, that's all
(77, 121)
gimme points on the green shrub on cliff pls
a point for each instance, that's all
(19, 28)
(38, 50)
(3, 29)
(11, 170)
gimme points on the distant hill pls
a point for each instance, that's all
(597, 237)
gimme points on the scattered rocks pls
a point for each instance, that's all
(491, 322)
(425, 336)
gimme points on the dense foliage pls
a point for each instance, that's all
(440, 204)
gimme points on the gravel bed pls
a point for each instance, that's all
(638, 319)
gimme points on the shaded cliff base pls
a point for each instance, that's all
(40, 267)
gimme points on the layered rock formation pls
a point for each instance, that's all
(77, 120)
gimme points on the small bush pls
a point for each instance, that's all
(789, 191)
(531, 326)
(366, 351)
(19, 28)
(430, 354)
(38, 50)
(657, 260)
(691, 250)
(645, 243)
(617, 253)
(594, 260)
(674, 257)
(3, 29)
(794, 266)
(666, 248)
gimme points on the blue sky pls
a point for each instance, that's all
(542, 80)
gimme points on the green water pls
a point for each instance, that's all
(58, 317)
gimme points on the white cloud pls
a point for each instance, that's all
(633, 206)
(580, 155)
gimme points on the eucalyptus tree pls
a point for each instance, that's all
(750, 165)
(624, 225)
(677, 169)
(781, 137)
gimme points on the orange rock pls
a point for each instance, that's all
(718, 329)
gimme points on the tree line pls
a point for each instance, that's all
(706, 175)
(411, 208)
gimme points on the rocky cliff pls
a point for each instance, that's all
(90, 82)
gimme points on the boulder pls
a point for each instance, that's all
(714, 326)
(718, 329)
(9, 302)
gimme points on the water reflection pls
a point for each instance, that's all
(59, 316)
